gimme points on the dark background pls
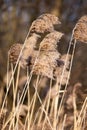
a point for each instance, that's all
(16, 17)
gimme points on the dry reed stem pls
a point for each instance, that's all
(9, 85)
(82, 117)
(3, 116)
(45, 112)
(33, 105)
(64, 70)
(59, 68)
(48, 103)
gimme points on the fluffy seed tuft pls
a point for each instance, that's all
(80, 32)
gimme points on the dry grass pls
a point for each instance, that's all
(48, 71)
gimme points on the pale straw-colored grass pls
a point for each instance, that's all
(51, 108)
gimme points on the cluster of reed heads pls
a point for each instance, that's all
(46, 70)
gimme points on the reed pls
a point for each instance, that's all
(44, 69)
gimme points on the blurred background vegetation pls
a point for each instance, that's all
(16, 17)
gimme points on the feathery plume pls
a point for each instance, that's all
(80, 32)
(14, 52)
(28, 58)
(49, 43)
(28, 49)
(48, 57)
(44, 23)
(52, 18)
(44, 65)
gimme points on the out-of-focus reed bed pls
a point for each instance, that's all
(37, 81)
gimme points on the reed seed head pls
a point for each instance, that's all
(44, 23)
(14, 52)
(48, 56)
(80, 32)
(52, 18)
(49, 43)
(28, 50)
